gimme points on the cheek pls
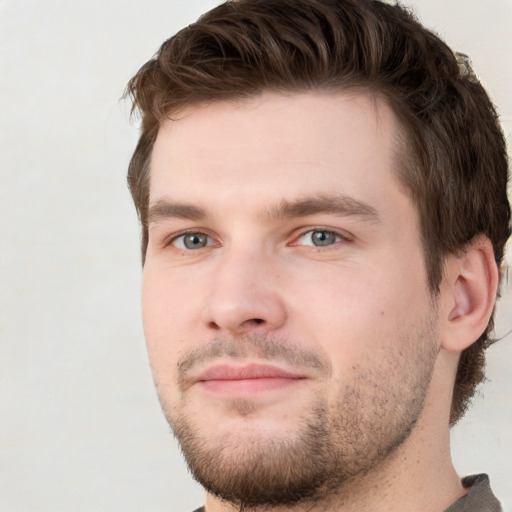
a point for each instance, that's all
(164, 301)
(353, 312)
(163, 321)
(154, 305)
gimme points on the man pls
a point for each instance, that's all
(322, 191)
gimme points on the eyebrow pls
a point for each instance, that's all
(336, 204)
(164, 209)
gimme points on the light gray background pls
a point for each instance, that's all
(80, 426)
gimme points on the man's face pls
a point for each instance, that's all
(290, 329)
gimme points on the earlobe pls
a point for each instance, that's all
(470, 285)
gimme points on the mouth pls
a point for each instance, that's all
(246, 380)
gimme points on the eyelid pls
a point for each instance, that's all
(345, 236)
(299, 233)
(169, 240)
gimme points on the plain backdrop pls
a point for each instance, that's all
(80, 425)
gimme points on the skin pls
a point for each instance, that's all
(350, 325)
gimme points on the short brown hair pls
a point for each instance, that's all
(455, 167)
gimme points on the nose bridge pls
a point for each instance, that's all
(244, 295)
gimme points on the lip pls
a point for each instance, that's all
(246, 380)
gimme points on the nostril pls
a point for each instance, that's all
(258, 320)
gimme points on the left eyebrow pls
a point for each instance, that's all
(341, 205)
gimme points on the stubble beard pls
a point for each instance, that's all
(333, 444)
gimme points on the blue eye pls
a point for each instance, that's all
(191, 241)
(319, 238)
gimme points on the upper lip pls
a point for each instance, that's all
(248, 371)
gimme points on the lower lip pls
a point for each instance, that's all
(248, 386)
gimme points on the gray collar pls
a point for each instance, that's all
(479, 497)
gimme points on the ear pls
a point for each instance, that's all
(468, 291)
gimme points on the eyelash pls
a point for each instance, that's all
(174, 238)
(339, 238)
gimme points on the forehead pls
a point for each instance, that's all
(279, 145)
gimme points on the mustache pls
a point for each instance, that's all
(261, 346)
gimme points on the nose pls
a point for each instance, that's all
(244, 295)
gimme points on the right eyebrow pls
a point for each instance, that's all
(164, 209)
